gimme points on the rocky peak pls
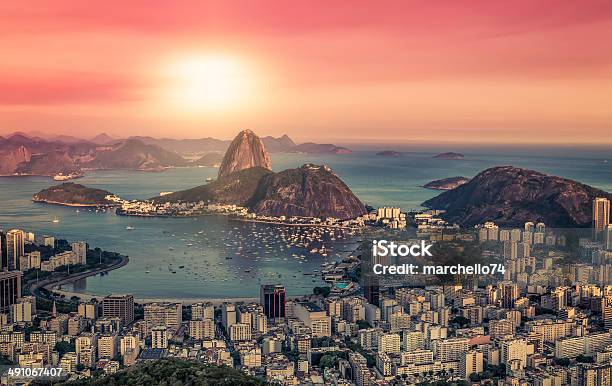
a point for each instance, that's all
(10, 160)
(246, 151)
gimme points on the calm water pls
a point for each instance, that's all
(159, 246)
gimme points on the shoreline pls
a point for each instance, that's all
(74, 205)
(137, 299)
(50, 284)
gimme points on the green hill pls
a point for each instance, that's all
(172, 372)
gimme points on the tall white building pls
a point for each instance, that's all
(389, 343)
(80, 250)
(159, 337)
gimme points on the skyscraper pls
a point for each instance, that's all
(14, 248)
(10, 289)
(121, 306)
(601, 215)
(608, 237)
(3, 252)
(272, 297)
(372, 293)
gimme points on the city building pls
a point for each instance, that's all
(120, 306)
(159, 337)
(601, 215)
(314, 317)
(169, 315)
(272, 298)
(10, 289)
(15, 241)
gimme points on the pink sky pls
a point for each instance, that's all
(464, 71)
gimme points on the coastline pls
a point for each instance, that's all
(75, 205)
(52, 283)
(216, 301)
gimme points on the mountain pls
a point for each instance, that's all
(317, 148)
(389, 153)
(67, 139)
(278, 145)
(246, 151)
(49, 164)
(134, 154)
(10, 159)
(511, 196)
(39, 145)
(449, 155)
(446, 183)
(209, 159)
(198, 145)
(308, 191)
(237, 188)
(73, 194)
(102, 139)
(281, 144)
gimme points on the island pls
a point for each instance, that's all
(389, 153)
(71, 194)
(449, 155)
(446, 183)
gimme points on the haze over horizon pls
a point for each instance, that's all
(458, 72)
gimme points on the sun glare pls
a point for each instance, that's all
(209, 83)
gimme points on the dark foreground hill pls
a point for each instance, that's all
(511, 196)
(307, 191)
(172, 372)
(236, 188)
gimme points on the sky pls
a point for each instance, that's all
(344, 71)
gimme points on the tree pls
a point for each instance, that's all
(461, 321)
(323, 291)
(63, 347)
(585, 359)
(172, 372)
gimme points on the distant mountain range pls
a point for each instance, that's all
(511, 196)
(282, 144)
(26, 154)
(135, 155)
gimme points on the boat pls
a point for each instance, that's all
(209, 179)
(55, 220)
(129, 228)
(66, 177)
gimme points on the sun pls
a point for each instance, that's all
(208, 83)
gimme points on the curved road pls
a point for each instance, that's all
(55, 281)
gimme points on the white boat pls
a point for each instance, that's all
(55, 220)
(129, 228)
